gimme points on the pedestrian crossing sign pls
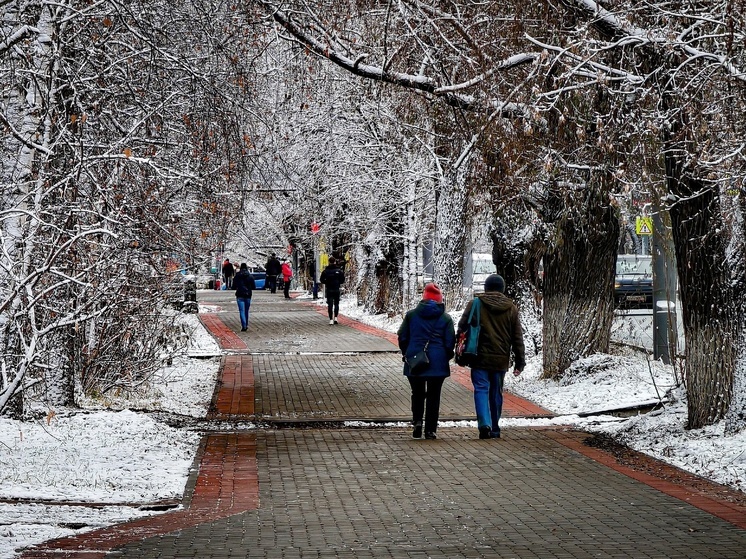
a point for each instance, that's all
(644, 226)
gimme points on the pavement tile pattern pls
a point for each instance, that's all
(304, 486)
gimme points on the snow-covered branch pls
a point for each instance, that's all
(627, 33)
(420, 82)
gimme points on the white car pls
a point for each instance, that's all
(481, 268)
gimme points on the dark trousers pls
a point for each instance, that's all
(332, 302)
(272, 282)
(286, 289)
(426, 400)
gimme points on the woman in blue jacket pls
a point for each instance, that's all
(427, 324)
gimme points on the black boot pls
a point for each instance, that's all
(417, 432)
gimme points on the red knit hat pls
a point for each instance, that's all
(432, 292)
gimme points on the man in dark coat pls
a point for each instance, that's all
(427, 327)
(244, 285)
(228, 273)
(273, 269)
(333, 278)
(500, 335)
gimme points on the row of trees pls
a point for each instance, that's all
(139, 133)
(554, 112)
(120, 132)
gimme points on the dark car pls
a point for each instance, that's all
(259, 275)
(633, 285)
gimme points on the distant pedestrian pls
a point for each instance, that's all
(500, 335)
(333, 278)
(244, 286)
(287, 275)
(314, 282)
(427, 328)
(228, 273)
(273, 269)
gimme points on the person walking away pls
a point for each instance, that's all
(228, 273)
(273, 269)
(500, 335)
(314, 283)
(427, 327)
(333, 278)
(287, 275)
(244, 285)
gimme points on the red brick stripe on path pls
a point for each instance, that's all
(691, 489)
(227, 484)
(226, 337)
(235, 393)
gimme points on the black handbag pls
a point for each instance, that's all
(419, 361)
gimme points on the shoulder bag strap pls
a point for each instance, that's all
(475, 312)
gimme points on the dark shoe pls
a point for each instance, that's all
(494, 434)
(244, 329)
(417, 432)
(430, 436)
(484, 433)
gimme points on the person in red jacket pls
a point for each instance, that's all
(287, 275)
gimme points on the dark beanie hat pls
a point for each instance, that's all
(494, 282)
(433, 293)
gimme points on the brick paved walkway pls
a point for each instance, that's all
(307, 485)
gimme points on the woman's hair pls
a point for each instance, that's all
(244, 266)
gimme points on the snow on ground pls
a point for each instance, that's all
(106, 454)
(111, 455)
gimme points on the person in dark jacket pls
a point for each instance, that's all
(500, 335)
(428, 323)
(244, 285)
(273, 269)
(228, 272)
(333, 278)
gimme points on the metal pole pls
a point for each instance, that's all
(664, 293)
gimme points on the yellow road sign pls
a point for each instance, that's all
(644, 226)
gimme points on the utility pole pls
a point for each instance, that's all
(664, 293)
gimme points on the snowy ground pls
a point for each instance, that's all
(61, 457)
(105, 455)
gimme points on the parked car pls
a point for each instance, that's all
(259, 275)
(482, 267)
(633, 285)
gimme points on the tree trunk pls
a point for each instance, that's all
(381, 290)
(450, 235)
(579, 283)
(409, 266)
(708, 299)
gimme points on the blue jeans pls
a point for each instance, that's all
(243, 310)
(488, 397)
